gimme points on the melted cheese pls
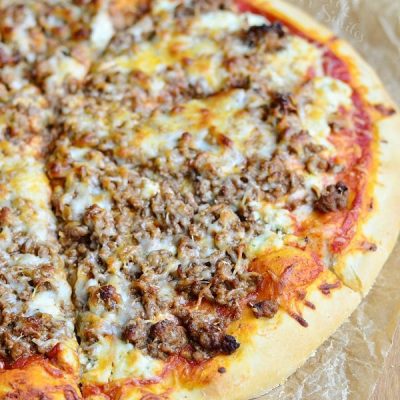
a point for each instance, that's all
(102, 30)
(21, 34)
(131, 362)
(323, 97)
(26, 182)
(278, 225)
(288, 68)
(82, 195)
(64, 67)
(221, 115)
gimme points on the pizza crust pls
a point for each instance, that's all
(38, 380)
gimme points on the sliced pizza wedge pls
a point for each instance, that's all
(38, 349)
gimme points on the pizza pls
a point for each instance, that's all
(194, 195)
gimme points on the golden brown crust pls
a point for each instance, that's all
(38, 379)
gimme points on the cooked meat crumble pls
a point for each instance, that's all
(333, 198)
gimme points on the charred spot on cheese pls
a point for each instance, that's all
(333, 198)
(269, 35)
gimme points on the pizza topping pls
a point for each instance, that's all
(333, 198)
(137, 333)
(385, 110)
(269, 36)
(266, 308)
(107, 295)
(166, 338)
(25, 336)
(201, 6)
(207, 333)
(35, 307)
(299, 319)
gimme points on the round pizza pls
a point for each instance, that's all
(194, 195)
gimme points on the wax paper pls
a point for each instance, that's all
(348, 365)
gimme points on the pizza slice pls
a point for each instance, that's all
(38, 349)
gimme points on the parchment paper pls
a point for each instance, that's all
(349, 364)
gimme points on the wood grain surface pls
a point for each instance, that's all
(388, 386)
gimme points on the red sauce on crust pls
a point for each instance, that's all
(356, 173)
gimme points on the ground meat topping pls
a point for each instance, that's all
(25, 336)
(266, 308)
(208, 334)
(269, 35)
(166, 338)
(137, 333)
(333, 198)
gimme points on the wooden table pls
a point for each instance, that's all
(388, 387)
